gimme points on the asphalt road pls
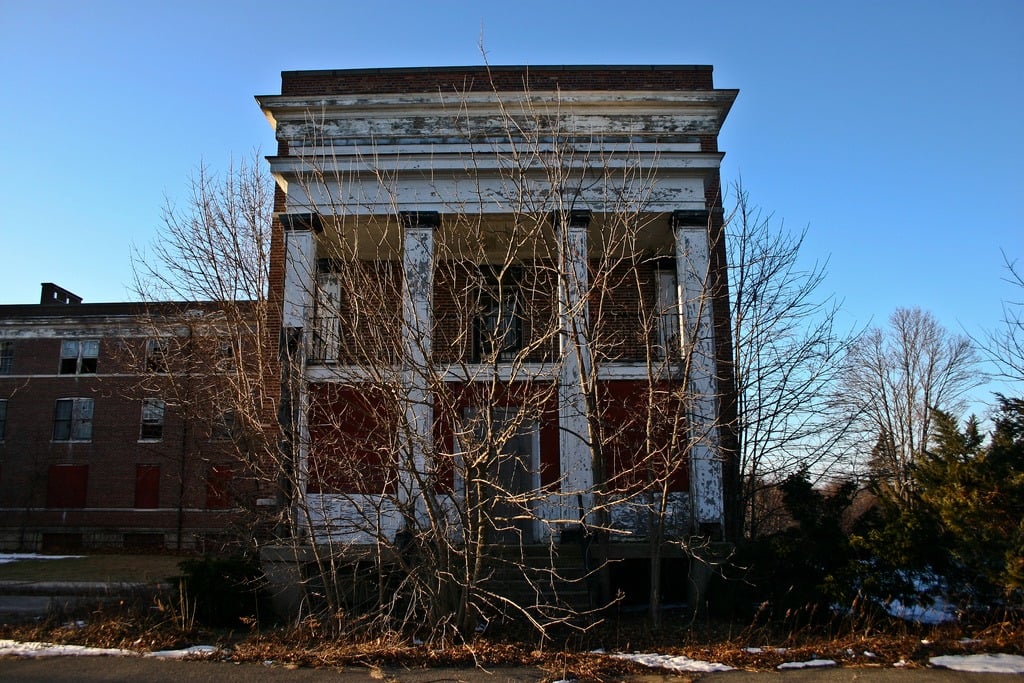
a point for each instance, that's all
(106, 669)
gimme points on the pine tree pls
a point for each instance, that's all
(976, 494)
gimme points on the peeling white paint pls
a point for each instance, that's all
(300, 266)
(417, 309)
(573, 426)
(692, 266)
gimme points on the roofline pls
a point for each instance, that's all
(504, 67)
(113, 308)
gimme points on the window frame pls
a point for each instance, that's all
(6, 356)
(153, 420)
(670, 336)
(225, 353)
(79, 420)
(224, 427)
(326, 337)
(156, 355)
(498, 318)
(80, 362)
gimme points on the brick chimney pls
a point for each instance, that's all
(52, 294)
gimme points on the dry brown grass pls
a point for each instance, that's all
(110, 568)
(882, 643)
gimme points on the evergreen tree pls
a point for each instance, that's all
(974, 494)
(979, 499)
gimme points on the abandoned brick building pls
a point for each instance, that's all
(502, 293)
(92, 453)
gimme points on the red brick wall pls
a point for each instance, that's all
(455, 290)
(112, 456)
(502, 78)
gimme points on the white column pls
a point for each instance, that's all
(299, 272)
(573, 427)
(296, 318)
(698, 337)
(417, 324)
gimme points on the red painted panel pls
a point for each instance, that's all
(643, 435)
(352, 434)
(66, 486)
(218, 487)
(147, 486)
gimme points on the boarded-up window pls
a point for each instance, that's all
(641, 426)
(218, 487)
(66, 486)
(147, 486)
(352, 434)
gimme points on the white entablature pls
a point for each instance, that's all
(480, 116)
(480, 152)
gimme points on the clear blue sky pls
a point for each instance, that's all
(892, 129)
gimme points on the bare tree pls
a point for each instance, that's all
(465, 498)
(893, 381)
(788, 351)
(209, 355)
(421, 364)
(439, 350)
(1005, 346)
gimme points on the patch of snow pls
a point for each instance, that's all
(810, 664)
(6, 558)
(993, 664)
(753, 650)
(939, 612)
(930, 587)
(194, 651)
(13, 648)
(17, 649)
(869, 653)
(673, 663)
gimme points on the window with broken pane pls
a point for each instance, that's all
(79, 357)
(72, 419)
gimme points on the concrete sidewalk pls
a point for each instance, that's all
(96, 669)
(21, 600)
(83, 588)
